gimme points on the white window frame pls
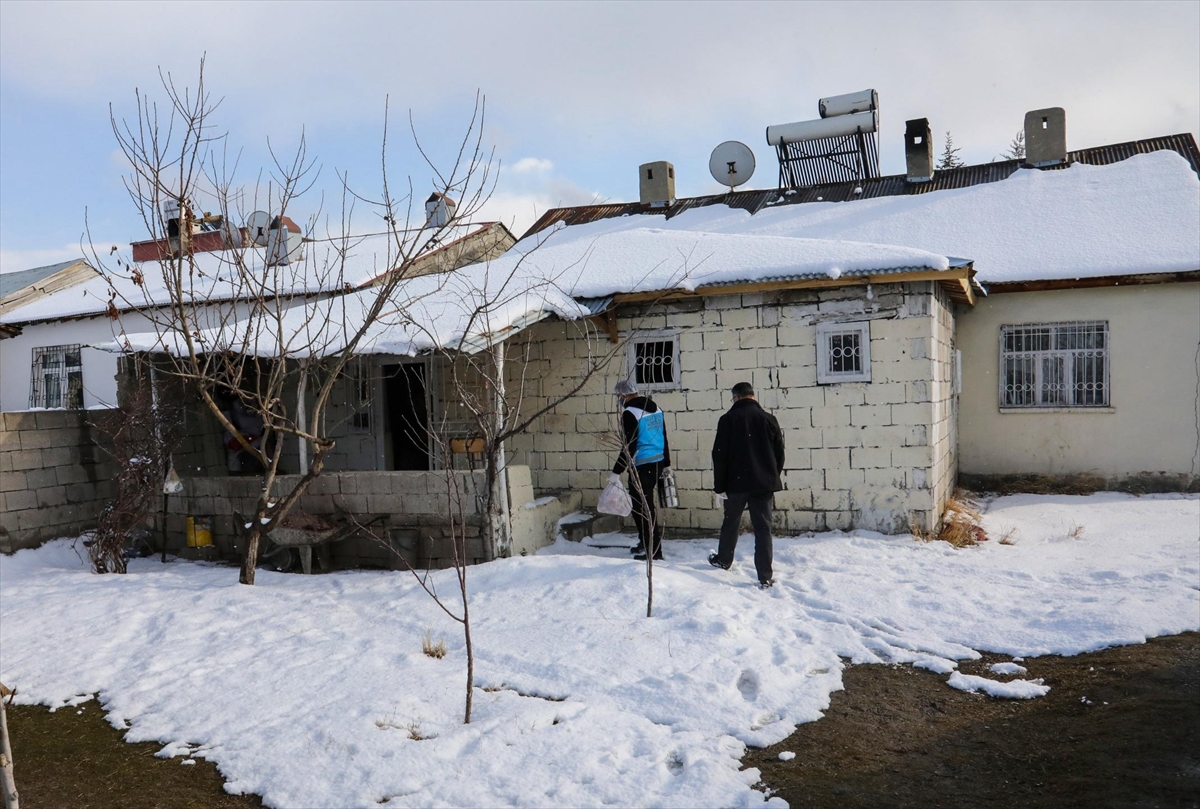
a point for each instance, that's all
(643, 338)
(1033, 377)
(826, 352)
(56, 377)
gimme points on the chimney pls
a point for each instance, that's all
(1046, 137)
(656, 181)
(439, 210)
(918, 150)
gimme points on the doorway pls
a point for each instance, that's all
(406, 398)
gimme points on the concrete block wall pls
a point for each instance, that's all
(55, 476)
(858, 454)
(945, 401)
(417, 505)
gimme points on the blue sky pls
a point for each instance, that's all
(578, 94)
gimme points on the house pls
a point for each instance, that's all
(909, 332)
(61, 317)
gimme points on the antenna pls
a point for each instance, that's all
(731, 163)
(257, 225)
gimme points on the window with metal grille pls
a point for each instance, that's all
(843, 352)
(1054, 365)
(57, 377)
(654, 361)
(360, 395)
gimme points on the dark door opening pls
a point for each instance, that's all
(408, 416)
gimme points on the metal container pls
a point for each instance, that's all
(668, 493)
(199, 532)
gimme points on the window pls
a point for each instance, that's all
(57, 377)
(360, 395)
(654, 361)
(843, 352)
(1054, 365)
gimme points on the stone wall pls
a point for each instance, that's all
(859, 454)
(416, 506)
(55, 476)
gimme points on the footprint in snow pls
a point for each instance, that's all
(748, 685)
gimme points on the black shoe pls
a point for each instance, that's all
(766, 585)
(712, 560)
(638, 548)
(641, 556)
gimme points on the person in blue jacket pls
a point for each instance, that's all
(645, 437)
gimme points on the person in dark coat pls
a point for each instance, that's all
(747, 460)
(645, 434)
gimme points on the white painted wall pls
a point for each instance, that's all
(99, 367)
(1153, 425)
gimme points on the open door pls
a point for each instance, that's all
(406, 399)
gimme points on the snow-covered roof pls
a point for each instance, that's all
(477, 305)
(1136, 216)
(321, 270)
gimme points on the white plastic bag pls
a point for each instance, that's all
(615, 500)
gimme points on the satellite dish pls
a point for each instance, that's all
(732, 163)
(257, 225)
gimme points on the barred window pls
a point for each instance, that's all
(1054, 365)
(843, 352)
(57, 377)
(360, 395)
(654, 361)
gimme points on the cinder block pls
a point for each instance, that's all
(843, 478)
(912, 414)
(914, 457)
(842, 436)
(826, 500)
(26, 459)
(885, 393)
(830, 458)
(798, 376)
(21, 499)
(835, 416)
(870, 458)
(870, 415)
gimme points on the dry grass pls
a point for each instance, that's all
(431, 649)
(414, 732)
(961, 523)
(1007, 537)
(1076, 531)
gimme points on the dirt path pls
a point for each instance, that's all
(1120, 728)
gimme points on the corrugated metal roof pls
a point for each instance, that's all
(10, 282)
(891, 186)
(595, 306)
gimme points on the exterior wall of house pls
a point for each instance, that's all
(943, 392)
(1149, 437)
(858, 454)
(54, 476)
(99, 367)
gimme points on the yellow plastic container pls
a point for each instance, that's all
(199, 532)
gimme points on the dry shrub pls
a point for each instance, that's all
(431, 649)
(1007, 537)
(961, 523)
(414, 732)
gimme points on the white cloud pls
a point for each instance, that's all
(527, 165)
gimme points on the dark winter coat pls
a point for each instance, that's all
(629, 427)
(748, 451)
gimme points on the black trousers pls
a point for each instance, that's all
(760, 518)
(645, 506)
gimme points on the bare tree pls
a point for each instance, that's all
(263, 338)
(141, 436)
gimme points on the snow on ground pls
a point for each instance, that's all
(310, 690)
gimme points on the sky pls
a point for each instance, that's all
(577, 95)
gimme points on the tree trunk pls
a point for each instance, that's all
(6, 762)
(470, 656)
(250, 558)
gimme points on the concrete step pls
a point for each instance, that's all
(588, 524)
